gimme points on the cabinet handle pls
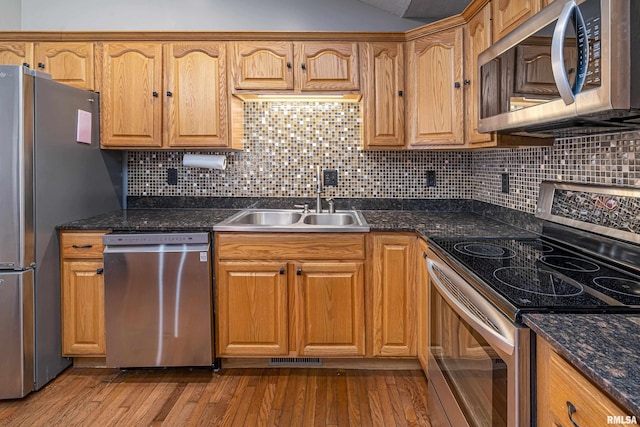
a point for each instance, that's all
(424, 255)
(169, 93)
(99, 270)
(26, 64)
(288, 64)
(40, 65)
(299, 271)
(456, 85)
(467, 82)
(571, 410)
(304, 66)
(281, 270)
(155, 94)
(400, 93)
(87, 246)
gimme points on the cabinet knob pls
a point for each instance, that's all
(281, 270)
(456, 85)
(400, 93)
(424, 255)
(299, 271)
(169, 93)
(304, 66)
(467, 82)
(155, 94)
(288, 64)
(40, 65)
(99, 270)
(26, 64)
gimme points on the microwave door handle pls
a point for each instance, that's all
(557, 54)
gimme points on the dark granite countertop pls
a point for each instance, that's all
(604, 347)
(428, 224)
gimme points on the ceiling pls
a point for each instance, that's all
(426, 10)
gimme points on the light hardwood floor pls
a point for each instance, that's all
(231, 397)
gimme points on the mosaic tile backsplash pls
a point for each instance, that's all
(284, 141)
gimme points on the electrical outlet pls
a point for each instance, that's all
(330, 177)
(505, 183)
(431, 178)
(172, 176)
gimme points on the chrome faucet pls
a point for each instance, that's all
(318, 190)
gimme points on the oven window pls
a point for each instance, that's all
(475, 373)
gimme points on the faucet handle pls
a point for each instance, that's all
(304, 207)
(332, 205)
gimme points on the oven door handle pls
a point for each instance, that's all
(502, 338)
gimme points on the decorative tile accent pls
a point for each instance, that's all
(284, 141)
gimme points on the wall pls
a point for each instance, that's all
(209, 15)
(10, 16)
(284, 142)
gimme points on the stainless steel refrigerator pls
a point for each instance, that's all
(47, 178)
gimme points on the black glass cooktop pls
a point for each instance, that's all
(537, 275)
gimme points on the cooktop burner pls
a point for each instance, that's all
(539, 275)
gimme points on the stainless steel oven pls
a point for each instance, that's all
(478, 358)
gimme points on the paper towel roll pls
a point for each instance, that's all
(205, 161)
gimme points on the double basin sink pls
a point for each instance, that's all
(294, 220)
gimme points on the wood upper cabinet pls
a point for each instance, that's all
(302, 66)
(478, 38)
(394, 294)
(252, 308)
(82, 294)
(262, 65)
(560, 384)
(329, 308)
(163, 96)
(67, 62)
(508, 14)
(16, 53)
(435, 98)
(382, 70)
(422, 309)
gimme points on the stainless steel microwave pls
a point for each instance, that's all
(571, 69)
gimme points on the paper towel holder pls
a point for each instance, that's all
(207, 161)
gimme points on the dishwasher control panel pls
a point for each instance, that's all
(124, 239)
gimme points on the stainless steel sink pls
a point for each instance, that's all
(287, 220)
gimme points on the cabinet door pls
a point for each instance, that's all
(18, 53)
(262, 65)
(251, 309)
(435, 94)
(508, 14)
(478, 38)
(68, 63)
(394, 295)
(422, 310)
(196, 113)
(131, 104)
(383, 89)
(83, 330)
(329, 309)
(326, 66)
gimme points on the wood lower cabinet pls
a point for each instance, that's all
(383, 95)
(394, 294)
(294, 294)
(171, 95)
(435, 98)
(422, 309)
(252, 308)
(329, 308)
(560, 384)
(83, 329)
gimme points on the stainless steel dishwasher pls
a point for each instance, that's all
(158, 299)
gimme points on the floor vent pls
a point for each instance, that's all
(295, 361)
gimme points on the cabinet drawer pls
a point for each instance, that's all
(288, 246)
(81, 244)
(568, 385)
